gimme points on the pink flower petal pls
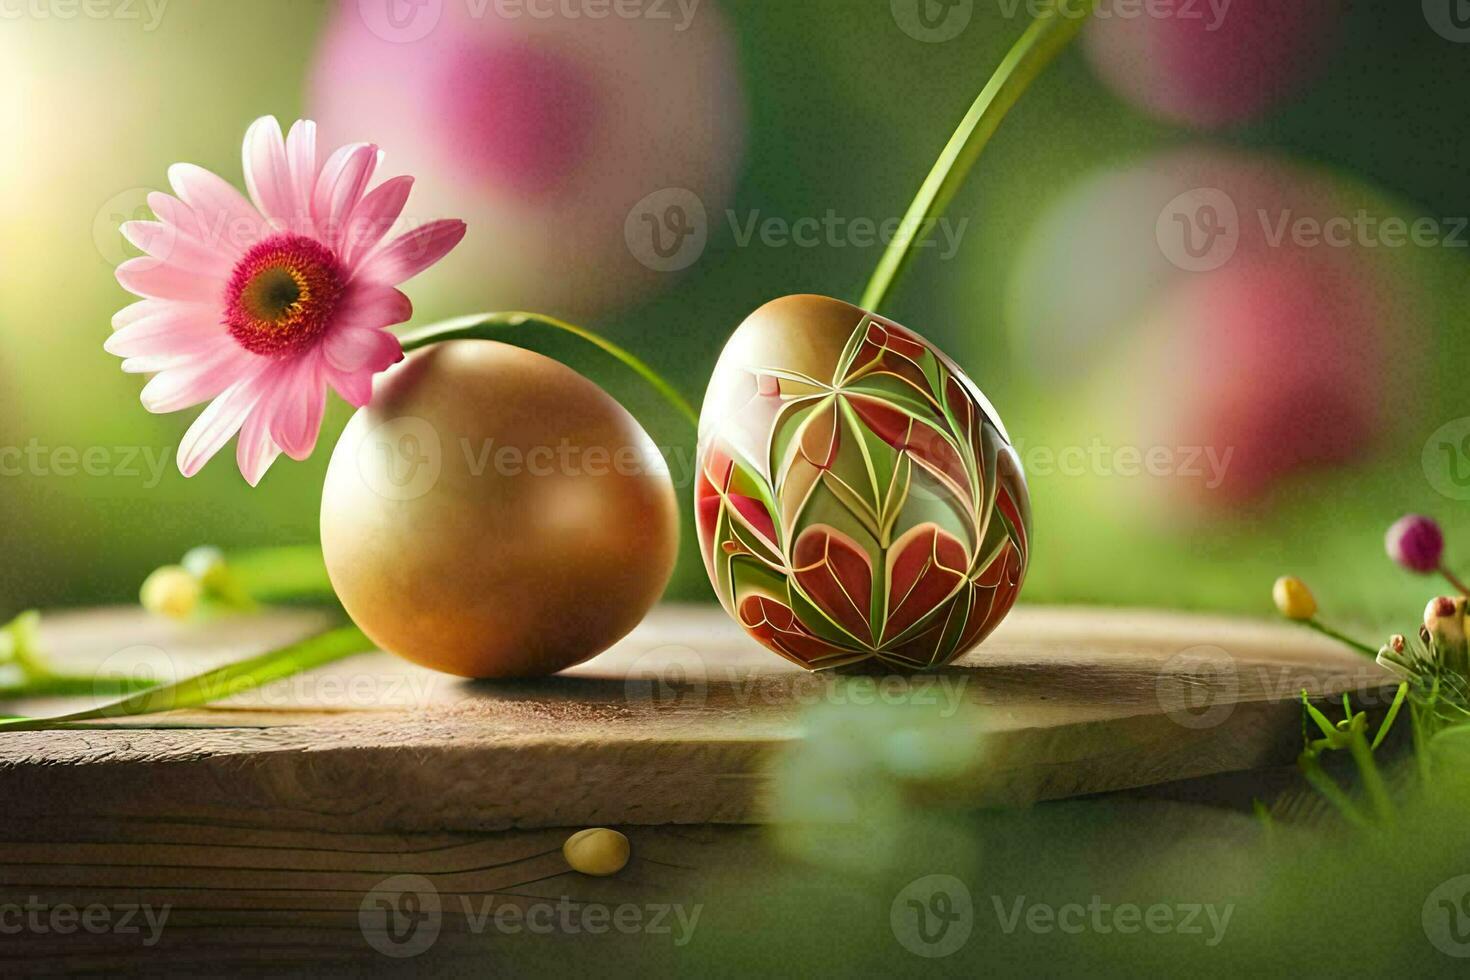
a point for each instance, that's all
(178, 352)
(343, 181)
(372, 219)
(355, 387)
(193, 252)
(371, 304)
(228, 220)
(408, 255)
(141, 310)
(301, 157)
(216, 424)
(153, 279)
(296, 401)
(159, 325)
(201, 380)
(166, 243)
(353, 349)
(178, 216)
(267, 173)
(256, 451)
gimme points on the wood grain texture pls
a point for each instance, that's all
(679, 724)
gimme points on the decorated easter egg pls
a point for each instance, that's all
(859, 502)
(495, 514)
(587, 152)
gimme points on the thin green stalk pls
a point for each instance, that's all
(71, 686)
(1393, 713)
(491, 326)
(1334, 634)
(216, 684)
(1373, 784)
(1046, 38)
(1454, 580)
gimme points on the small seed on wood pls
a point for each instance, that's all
(598, 851)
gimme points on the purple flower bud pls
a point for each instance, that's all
(1416, 543)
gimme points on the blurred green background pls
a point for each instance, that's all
(845, 113)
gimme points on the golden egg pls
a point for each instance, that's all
(495, 514)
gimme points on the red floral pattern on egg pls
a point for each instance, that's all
(866, 508)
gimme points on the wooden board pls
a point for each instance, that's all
(679, 724)
(268, 828)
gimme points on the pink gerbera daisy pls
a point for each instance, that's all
(258, 308)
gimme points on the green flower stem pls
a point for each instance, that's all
(51, 685)
(1454, 580)
(1334, 634)
(493, 326)
(1046, 38)
(216, 684)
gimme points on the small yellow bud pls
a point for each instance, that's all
(1294, 599)
(171, 591)
(599, 851)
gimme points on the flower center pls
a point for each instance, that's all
(282, 295)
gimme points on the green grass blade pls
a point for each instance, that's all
(216, 684)
(1393, 713)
